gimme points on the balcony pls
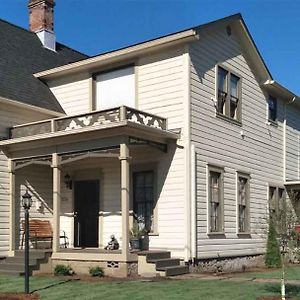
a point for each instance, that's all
(88, 120)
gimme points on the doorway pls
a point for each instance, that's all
(86, 208)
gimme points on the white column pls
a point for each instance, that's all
(56, 201)
(124, 158)
(12, 207)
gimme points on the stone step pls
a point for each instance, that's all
(33, 254)
(165, 262)
(154, 255)
(174, 270)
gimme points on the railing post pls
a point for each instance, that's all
(123, 113)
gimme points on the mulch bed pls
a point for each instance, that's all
(19, 296)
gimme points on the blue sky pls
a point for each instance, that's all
(95, 26)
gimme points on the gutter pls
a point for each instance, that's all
(117, 55)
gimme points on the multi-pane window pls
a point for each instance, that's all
(143, 198)
(243, 204)
(215, 201)
(272, 106)
(228, 97)
(277, 207)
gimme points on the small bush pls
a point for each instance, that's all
(96, 272)
(62, 270)
(273, 256)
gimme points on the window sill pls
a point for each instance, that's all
(216, 234)
(227, 119)
(153, 234)
(244, 235)
(272, 123)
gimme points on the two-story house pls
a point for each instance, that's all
(187, 133)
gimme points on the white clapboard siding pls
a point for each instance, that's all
(219, 142)
(73, 93)
(10, 116)
(160, 89)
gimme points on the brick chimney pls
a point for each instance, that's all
(41, 14)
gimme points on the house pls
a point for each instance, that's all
(188, 133)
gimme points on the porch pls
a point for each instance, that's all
(99, 152)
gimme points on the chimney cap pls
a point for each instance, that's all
(32, 3)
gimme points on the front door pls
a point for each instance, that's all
(86, 207)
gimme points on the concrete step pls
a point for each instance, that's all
(165, 262)
(33, 254)
(16, 267)
(174, 270)
(19, 260)
(154, 255)
(12, 272)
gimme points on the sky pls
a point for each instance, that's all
(97, 26)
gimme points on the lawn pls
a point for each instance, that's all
(53, 288)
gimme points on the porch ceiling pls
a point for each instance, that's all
(83, 139)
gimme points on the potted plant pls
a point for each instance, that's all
(136, 233)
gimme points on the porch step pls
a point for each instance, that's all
(14, 265)
(165, 262)
(174, 270)
(160, 263)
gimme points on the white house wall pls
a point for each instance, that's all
(9, 116)
(220, 143)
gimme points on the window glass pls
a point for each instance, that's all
(243, 204)
(272, 104)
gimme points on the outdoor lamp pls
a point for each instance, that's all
(68, 181)
(26, 200)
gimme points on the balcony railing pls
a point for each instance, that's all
(95, 118)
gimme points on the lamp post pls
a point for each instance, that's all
(26, 203)
(283, 241)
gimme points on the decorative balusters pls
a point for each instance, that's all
(89, 120)
(147, 119)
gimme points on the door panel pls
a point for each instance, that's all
(86, 207)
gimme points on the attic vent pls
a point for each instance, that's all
(228, 30)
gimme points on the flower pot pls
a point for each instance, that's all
(135, 244)
(144, 243)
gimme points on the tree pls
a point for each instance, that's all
(273, 256)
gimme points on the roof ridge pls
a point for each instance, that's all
(31, 32)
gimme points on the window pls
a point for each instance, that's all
(115, 88)
(272, 105)
(243, 186)
(277, 204)
(143, 198)
(215, 205)
(228, 94)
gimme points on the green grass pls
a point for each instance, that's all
(53, 288)
(291, 273)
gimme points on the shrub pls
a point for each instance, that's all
(96, 272)
(273, 257)
(62, 270)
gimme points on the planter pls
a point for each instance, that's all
(135, 244)
(144, 243)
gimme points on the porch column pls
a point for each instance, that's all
(56, 201)
(12, 207)
(124, 158)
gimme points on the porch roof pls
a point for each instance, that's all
(86, 131)
(292, 184)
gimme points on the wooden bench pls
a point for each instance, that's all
(38, 230)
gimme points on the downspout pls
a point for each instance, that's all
(193, 204)
(284, 138)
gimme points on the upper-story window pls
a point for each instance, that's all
(272, 107)
(115, 88)
(228, 94)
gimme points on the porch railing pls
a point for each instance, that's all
(95, 118)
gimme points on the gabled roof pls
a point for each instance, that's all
(22, 55)
(247, 43)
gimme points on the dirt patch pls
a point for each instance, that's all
(19, 296)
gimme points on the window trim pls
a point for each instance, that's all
(226, 116)
(247, 231)
(216, 169)
(118, 66)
